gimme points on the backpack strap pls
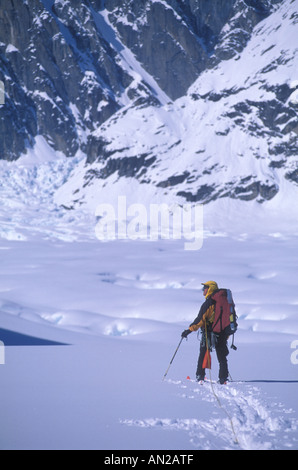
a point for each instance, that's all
(233, 345)
(221, 312)
(219, 319)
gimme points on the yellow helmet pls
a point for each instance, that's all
(212, 287)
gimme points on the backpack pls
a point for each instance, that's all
(225, 318)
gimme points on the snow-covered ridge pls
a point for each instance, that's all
(128, 61)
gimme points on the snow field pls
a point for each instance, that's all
(121, 307)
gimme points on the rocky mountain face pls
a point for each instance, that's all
(76, 72)
(175, 39)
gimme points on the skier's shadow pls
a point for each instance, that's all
(268, 381)
(12, 338)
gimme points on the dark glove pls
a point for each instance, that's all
(185, 333)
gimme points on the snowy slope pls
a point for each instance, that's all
(127, 60)
(212, 146)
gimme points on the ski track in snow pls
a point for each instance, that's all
(256, 426)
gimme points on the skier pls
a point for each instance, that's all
(204, 321)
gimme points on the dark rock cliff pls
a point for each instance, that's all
(64, 77)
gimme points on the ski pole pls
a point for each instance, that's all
(172, 359)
